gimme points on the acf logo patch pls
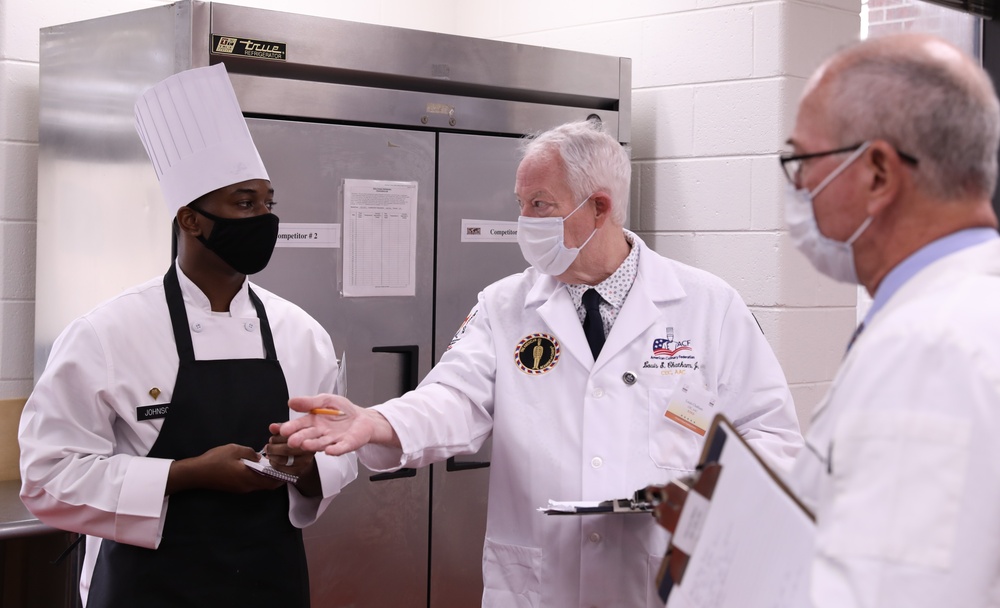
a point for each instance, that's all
(536, 353)
(462, 328)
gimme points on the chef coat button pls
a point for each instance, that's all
(595, 537)
(596, 462)
(598, 393)
(196, 327)
(248, 325)
(628, 378)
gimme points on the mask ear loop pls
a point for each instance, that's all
(829, 178)
(843, 166)
(588, 240)
(861, 228)
(582, 203)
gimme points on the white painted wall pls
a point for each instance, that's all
(715, 85)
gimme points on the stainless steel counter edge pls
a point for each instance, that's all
(15, 519)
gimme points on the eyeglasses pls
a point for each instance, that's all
(792, 164)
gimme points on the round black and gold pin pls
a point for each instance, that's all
(536, 353)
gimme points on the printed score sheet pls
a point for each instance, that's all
(754, 548)
(380, 238)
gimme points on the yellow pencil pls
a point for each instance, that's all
(323, 410)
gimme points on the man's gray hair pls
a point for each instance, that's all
(925, 108)
(592, 159)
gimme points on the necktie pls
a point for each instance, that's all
(857, 332)
(593, 325)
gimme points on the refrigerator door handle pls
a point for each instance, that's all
(409, 381)
(464, 465)
(411, 357)
(400, 474)
(411, 354)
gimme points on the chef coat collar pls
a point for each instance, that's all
(654, 268)
(922, 258)
(240, 307)
(616, 287)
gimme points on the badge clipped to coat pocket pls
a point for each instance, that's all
(693, 407)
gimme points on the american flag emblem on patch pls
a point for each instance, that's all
(661, 348)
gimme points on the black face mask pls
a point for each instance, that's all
(246, 244)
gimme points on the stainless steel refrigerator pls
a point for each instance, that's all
(345, 116)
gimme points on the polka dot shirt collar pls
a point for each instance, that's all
(613, 289)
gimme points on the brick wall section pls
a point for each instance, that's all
(891, 16)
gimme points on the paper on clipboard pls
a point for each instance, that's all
(556, 507)
(636, 504)
(750, 513)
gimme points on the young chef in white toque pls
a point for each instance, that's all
(136, 431)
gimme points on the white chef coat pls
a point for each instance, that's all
(580, 431)
(903, 461)
(82, 448)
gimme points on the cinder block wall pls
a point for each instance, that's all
(715, 85)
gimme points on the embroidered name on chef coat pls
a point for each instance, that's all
(536, 353)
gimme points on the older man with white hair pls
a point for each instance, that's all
(597, 371)
(894, 165)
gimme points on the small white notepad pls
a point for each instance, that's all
(264, 468)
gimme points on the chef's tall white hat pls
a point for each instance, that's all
(194, 132)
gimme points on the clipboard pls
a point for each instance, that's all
(638, 503)
(723, 520)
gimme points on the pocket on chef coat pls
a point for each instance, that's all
(653, 563)
(898, 480)
(510, 575)
(671, 446)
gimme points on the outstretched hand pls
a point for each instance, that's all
(335, 433)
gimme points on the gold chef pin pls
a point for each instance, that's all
(154, 392)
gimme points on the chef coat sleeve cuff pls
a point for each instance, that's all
(384, 459)
(335, 472)
(381, 459)
(142, 505)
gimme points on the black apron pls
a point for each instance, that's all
(218, 548)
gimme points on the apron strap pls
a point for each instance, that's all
(265, 327)
(178, 316)
(179, 319)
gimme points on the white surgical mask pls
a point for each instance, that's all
(541, 241)
(833, 258)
